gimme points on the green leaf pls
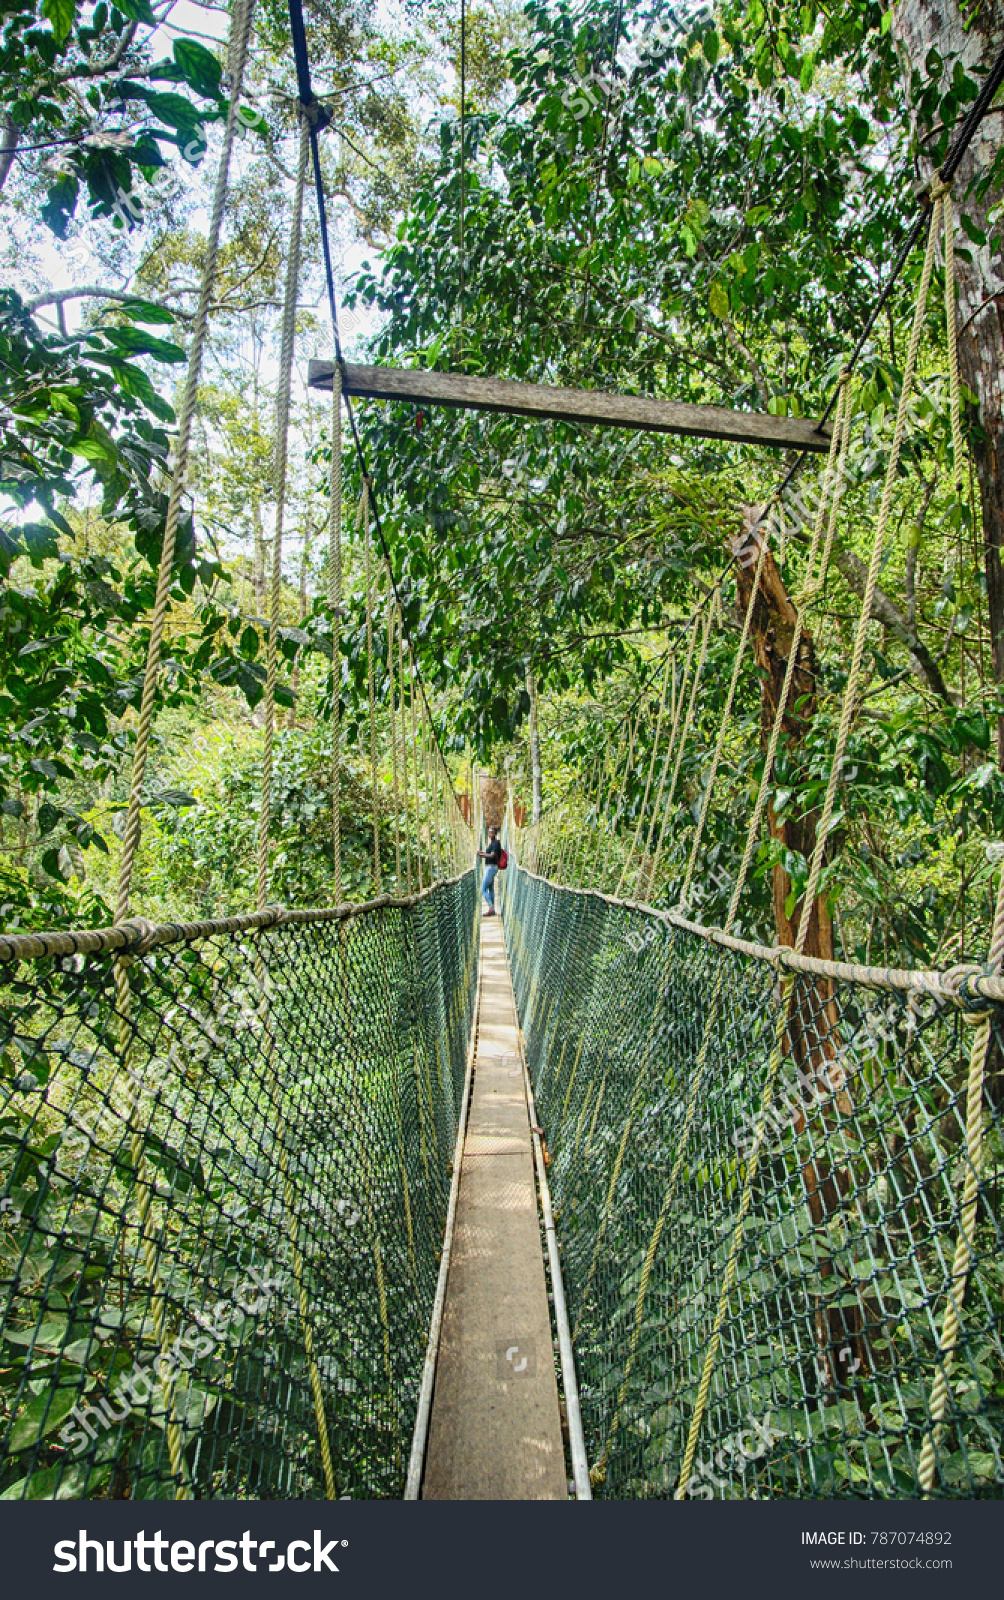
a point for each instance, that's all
(137, 11)
(135, 382)
(48, 816)
(146, 311)
(200, 67)
(145, 344)
(718, 301)
(52, 1483)
(175, 110)
(61, 14)
(93, 450)
(41, 544)
(40, 1416)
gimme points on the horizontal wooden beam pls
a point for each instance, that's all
(573, 405)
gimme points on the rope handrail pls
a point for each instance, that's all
(968, 986)
(139, 936)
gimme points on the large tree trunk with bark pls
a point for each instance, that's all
(919, 25)
(813, 1036)
(772, 633)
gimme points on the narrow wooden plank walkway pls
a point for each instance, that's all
(495, 1429)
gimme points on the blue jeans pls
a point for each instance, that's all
(488, 885)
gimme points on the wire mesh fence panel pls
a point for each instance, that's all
(224, 1182)
(758, 1180)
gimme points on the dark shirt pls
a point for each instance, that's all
(493, 855)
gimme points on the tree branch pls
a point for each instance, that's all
(883, 610)
(90, 291)
(732, 338)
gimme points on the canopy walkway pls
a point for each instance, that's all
(225, 1221)
(276, 1190)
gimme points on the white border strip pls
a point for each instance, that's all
(420, 1437)
(576, 1439)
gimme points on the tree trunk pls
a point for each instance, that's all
(813, 1037)
(8, 145)
(772, 631)
(917, 26)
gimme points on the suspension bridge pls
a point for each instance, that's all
(377, 1200)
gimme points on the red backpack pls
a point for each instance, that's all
(503, 860)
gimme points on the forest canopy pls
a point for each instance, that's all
(700, 203)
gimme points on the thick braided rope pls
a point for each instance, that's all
(282, 410)
(746, 1200)
(965, 1248)
(612, 768)
(685, 732)
(335, 610)
(610, 762)
(436, 807)
(726, 719)
(404, 757)
(678, 701)
(283, 406)
(430, 806)
(618, 787)
(854, 675)
(426, 808)
(943, 192)
(179, 475)
(290, 1208)
(237, 53)
(592, 795)
(392, 713)
(415, 760)
(651, 773)
(364, 525)
(788, 984)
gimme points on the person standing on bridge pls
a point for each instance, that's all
(493, 856)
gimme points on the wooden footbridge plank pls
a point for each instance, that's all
(573, 405)
(495, 1429)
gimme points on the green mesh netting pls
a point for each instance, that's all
(830, 1337)
(285, 1098)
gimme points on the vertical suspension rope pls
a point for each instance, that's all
(364, 522)
(651, 773)
(618, 789)
(965, 1246)
(335, 609)
(392, 712)
(808, 899)
(404, 756)
(415, 754)
(275, 1086)
(726, 718)
(685, 732)
(282, 409)
(237, 58)
(179, 477)
(838, 446)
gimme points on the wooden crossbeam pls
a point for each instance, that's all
(573, 405)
